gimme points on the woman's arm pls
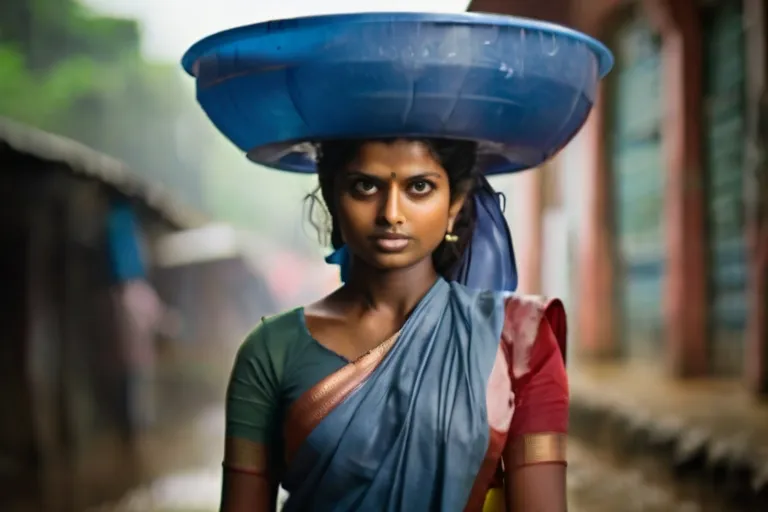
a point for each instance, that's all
(248, 485)
(534, 456)
(250, 479)
(536, 488)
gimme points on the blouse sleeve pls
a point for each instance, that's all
(252, 403)
(539, 426)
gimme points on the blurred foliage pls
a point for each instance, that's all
(44, 100)
(68, 70)
(50, 31)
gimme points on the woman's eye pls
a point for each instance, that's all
(365, 188)
(421, 187)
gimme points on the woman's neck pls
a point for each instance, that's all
(398, 291)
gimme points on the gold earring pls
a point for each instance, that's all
(451, 238)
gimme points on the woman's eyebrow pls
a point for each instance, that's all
(428, 174)
(362, 174)
(393, 175)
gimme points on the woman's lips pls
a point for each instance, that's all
(391, 243)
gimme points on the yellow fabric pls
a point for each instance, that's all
(494, 501)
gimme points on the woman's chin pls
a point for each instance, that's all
(391, 262)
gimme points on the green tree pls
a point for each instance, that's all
(45, 98)
(68, 70)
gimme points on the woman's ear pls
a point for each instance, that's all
(453, 211)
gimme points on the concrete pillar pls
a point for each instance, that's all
(686, 293)
(596, 323)
(756, 194)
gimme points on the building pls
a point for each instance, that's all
(652, 224)
(219, 296)
(668, 235)
(60, 359)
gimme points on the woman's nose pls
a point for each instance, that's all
(393, 212)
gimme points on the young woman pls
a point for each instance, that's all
(401, 390)
(423, 383)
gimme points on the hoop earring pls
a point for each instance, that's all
(451, 238)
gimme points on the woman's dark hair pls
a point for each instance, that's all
(458, 158)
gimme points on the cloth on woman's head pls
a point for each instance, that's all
(488, 263)
(341, 258)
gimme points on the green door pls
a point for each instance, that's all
(724, 103)
(638, 175)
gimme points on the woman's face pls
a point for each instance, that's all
(394, 204)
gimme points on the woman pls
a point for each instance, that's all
(400, 390)
(423, 383)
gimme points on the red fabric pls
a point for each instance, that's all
(537, 401)
(554, 312)
(541, 395)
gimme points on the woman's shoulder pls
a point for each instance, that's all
(275, 333)
(532, 318)
(526, 311)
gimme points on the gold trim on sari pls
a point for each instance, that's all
(539, 448)
(312, 407)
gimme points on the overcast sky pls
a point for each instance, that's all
(171, 26)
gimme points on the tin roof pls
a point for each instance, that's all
(87, 162)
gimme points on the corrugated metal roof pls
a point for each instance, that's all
(82, 160)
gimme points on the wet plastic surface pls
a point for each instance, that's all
(522, 88)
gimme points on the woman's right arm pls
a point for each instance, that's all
(250, 479)
(245, 487)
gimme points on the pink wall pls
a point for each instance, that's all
(523, 215)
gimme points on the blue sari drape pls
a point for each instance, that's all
(414, 433)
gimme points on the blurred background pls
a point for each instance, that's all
(140, 247)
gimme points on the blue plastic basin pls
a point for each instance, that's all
(519, 87)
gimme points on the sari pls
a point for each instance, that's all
(420, 421)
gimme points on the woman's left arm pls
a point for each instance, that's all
(534, 456)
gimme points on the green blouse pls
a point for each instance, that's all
(275, 365)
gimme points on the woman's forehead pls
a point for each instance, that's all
(401, 156)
